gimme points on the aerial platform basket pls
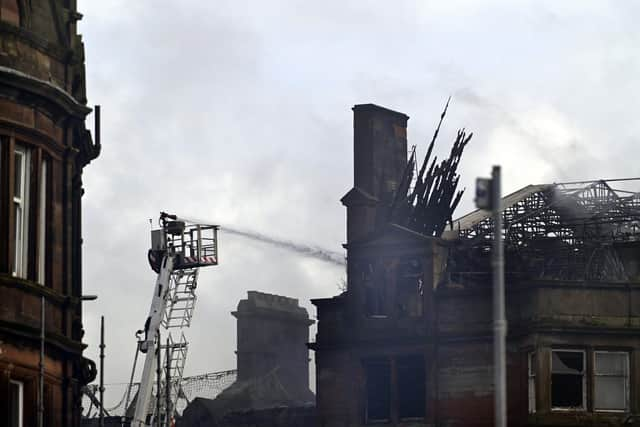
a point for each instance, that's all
(192, 245)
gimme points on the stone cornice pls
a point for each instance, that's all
(44, 89)
(51, 339)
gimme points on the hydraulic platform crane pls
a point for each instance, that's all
(178, 249)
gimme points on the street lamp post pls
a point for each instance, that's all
(488, 196)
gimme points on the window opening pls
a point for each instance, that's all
(42, 223)
(567, 379)
(16, 403)
(373, 276)
(410, 290)
(411, 384)
(531, 362)
(611, 381)
(21, 209)
(378, 381)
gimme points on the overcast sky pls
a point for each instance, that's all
(240, 112)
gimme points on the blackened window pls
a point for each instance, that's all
(411, 386)
(378, 382)
(409, 282)
(373, 276)
(567, 379)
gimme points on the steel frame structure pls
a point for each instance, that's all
(557, 231)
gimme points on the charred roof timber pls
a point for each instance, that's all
(425, 203)
(566, 231)
(388, 189)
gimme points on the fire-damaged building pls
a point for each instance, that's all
(410, 340)
(44, 146)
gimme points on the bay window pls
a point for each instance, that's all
(601, 386)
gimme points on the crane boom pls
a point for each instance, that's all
(178, 250)
(152, 326)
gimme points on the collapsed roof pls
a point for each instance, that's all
(574, 231)
(570, 231)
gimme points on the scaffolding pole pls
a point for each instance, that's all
(167, 385)
(102, 346)
(159, 378)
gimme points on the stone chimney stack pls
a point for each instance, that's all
(273, 331)
(379, 159)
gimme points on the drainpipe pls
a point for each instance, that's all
(41, 366)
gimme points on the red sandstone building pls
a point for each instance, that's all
(44, 146)
(409, 343)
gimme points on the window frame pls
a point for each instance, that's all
(399, 390)
(627, 377)
(20, 386)
(394, 363)
(43, 210)
(389, 366)
(585, 372)
(531, 382)
(409, 288)
(20, 262)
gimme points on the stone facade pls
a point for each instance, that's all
(410, 341)
(44, 146)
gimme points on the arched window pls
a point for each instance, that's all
(10, 12)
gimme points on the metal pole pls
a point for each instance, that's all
(133, 371)
(102, 346)
(167, 394)
(499, 322)
(158, 386)
(41, 366)
(96, 128)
